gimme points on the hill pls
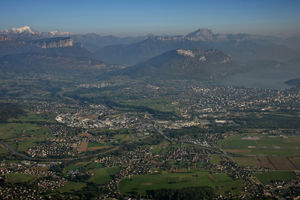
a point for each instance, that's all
(204, 65)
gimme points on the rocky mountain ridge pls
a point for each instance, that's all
(58, 42)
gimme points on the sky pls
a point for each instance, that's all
(138, 17)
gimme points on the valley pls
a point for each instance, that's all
(180, 120)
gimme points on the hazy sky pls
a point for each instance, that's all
(126, 17)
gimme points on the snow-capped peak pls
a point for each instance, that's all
(24, 29)
(57, 33)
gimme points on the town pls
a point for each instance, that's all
(106, 147)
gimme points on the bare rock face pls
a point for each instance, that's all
(185, 52)
(58, 42)
(212, 56)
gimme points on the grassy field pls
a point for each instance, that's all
(74, 166)
(296, 161)
(270, 120)
(19, 178)
(72, 186)
(94, 146)
(124, 137)
(32, 117)
(3, 151)
(16, 130)
(103, 175)
(160, 148)
(267, 177)
(253, 144)
(271, 152)
(246, 161)
(141, 183)
(23, 145)
(215, 159)
(26, 134)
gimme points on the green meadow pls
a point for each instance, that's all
(141, 183)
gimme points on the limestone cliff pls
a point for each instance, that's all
(57, 42)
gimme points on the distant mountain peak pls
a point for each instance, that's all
(202, 31)
(24, 29)
(201, 34)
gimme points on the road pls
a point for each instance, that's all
(14, 152)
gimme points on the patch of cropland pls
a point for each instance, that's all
(254, 144)
(268, 177)
(143, 183)
(19, 178)
(270, 120)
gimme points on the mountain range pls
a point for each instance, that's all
(25, 50)
(201, 55)
(90, 41)
(243, 47)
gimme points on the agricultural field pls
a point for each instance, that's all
(103, 175)
(23, 145)
(33, 117)
(141, 183)
(3, 151)
(19, 178)
(16, 130)
(72, 186)
(215, 159)
(99, 175)
(94, 146)
(246, 161)
(22, 136)
(267, 177)
(83, 147)
(276, 163)
(124, 137)
(271, 152)
(270, 120)
(262, 145)
(160, 148)
(296, 162)
(74, 167)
